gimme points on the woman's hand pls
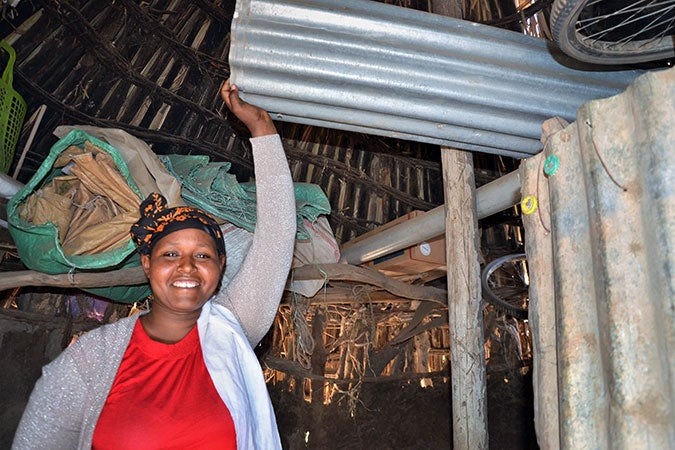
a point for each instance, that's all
(256, 119)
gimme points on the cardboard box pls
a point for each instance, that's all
(424, 257)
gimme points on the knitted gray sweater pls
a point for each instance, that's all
(67, 400)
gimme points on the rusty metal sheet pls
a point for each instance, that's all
(601, 245)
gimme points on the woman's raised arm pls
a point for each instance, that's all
(254, 293)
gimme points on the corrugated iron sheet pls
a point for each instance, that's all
(370, 67)
(601, 247)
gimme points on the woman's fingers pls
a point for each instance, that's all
(230, 95)
(239, 107)
(256, 119)
(225, 93)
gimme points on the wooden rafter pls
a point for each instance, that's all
(135, 276)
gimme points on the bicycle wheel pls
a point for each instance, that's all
(505, 283)
(615, 31)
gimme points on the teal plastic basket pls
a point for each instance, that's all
(12, 111)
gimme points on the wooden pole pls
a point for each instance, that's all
(467, 355)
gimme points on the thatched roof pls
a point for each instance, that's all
(153, 69)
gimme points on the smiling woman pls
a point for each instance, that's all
(183, 256)
(184, 272)
(184, 374)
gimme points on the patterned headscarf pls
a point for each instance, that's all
(158, 220)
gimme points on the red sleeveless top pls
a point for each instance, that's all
(163, 397)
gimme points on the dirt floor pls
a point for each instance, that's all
(389, 415)
(394, 415)
(511, 411)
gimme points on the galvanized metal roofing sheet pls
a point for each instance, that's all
(380, 69)
(601, 247)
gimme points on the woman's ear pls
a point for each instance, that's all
(145, 262)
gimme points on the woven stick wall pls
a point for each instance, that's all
(335, 348)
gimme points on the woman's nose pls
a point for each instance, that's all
(187, 264)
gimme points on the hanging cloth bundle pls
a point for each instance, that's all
(74, 214)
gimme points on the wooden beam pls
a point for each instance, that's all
(347, 272)
(342, 296)
(135, 276)
(467, 355)
(129, 276)
(294, 369)
(450, 8)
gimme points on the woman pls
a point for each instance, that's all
(184, 375)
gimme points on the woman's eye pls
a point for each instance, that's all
(203, 256)
(171, 254)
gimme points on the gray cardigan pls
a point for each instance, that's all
(67, 400)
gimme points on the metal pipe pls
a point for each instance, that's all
(491, 198)
(9, 186)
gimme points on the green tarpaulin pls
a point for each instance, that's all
(210, 186)
(39, 246)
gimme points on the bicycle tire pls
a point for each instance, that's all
(491, 297)
(575, 42)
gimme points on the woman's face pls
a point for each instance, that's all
(184, 270)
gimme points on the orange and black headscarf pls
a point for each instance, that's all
(158, 220)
